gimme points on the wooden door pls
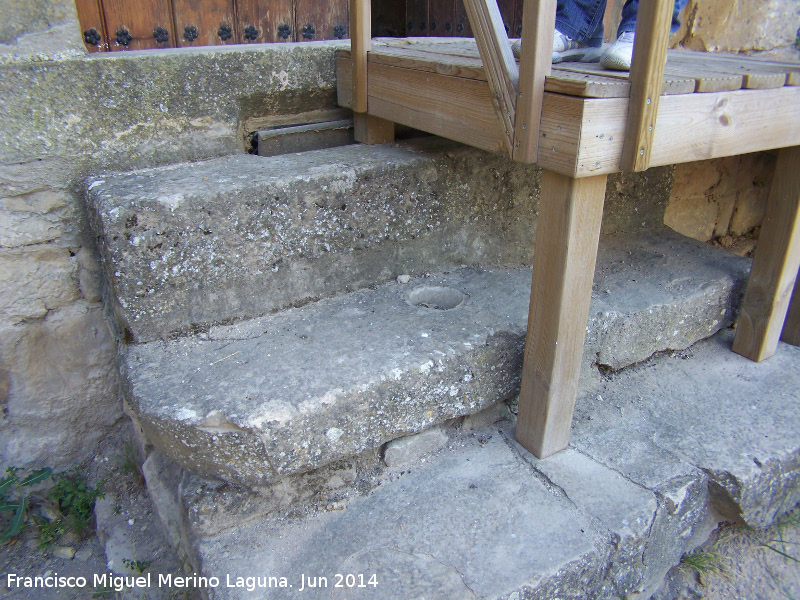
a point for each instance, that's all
(93, 28)
(417, 18)
(321, 20)
(442, 14)
(264, 21)
(204, 22)
(138, 25)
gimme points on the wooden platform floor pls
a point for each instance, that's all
(686, 71)
(713, 104)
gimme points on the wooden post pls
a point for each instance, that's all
(563, 270)
(498, 60)
(791, 328)
(360, 45)
(538, 18)
(775, 265)
(647, 73)
(366, 129)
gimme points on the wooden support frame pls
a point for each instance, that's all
(791, 327)
(367, 129)
(498, 60)
(647, 72)
(538, 19)
(775, 266)
(567, 235)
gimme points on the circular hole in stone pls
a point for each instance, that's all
(436, 297)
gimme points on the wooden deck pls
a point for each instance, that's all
(580, 123)
(712, 105)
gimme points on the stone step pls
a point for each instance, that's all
(660, 454)
(291, 392)
(192, 245)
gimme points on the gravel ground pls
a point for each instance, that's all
(137, 524)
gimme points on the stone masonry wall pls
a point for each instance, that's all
(65, 115)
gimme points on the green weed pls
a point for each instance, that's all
(14, 497)
(703, 562)
(75, 499)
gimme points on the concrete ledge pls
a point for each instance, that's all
(291, 392)
(142, 108)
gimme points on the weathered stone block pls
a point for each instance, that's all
(408, 451)
(37, 279)
(35, 218)
(739, 25)
(58, 388)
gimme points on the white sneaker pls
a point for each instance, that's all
(565, 49)
(618, 56)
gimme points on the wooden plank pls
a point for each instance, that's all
(274, 21)
(567, 233)
(583, 84)
(755, 63)
(360, 44)
(647, 72)
(315, 20)
(775, 265)
(752, 77)
(140, 21)
(443, 18)
(417, 17)
(344, 81)
(208, 20)
(706, 80)
(791, 327)
(457, 66)
(691, 127)
(368, 129)
(452, 107)
(498, 60)
(535, 63)
(703, 126)
(671, 84)
(93, 29)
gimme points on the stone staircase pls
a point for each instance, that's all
(301, 332)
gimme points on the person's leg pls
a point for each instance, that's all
(628, 21)
(581, 20)
(619, 55)
(579, 31)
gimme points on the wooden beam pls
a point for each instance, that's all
(567, 234)
(588, 133)
(775, 266)
(368, 129)
(360, 42)
(791, 327)
(498, 60)
(538, 18)
(647, 70)
(452, 107)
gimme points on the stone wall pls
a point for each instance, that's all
(64, 116)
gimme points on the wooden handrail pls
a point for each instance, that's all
(498, 60)
(360, 44)
(647, 73)
(538, 28)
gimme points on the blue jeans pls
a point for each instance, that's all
(582, 20)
